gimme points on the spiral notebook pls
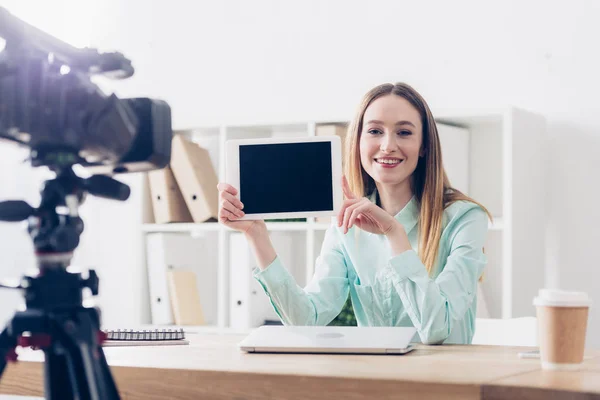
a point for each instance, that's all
(144, 337)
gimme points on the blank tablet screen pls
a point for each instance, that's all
(286, 177)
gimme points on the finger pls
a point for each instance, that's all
(225, 187)
(227, 205)
(357, 210)
(355, 213)
(345, 204)
(232, 199)
(346, 188)
(347, 215)
(226, 216)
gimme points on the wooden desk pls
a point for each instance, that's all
(212, 367)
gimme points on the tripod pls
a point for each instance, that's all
(55, 319)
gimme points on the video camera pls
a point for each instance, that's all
(49, 104)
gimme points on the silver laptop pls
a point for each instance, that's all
(329, 339)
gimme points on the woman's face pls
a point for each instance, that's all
(391, 139)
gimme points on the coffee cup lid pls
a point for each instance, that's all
(561, 298)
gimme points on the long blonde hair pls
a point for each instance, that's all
(430, 183)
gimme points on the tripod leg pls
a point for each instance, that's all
(57, 376)
(95, 364)
(7, 345)
(98, 373)
(110, 388)
(89, 376)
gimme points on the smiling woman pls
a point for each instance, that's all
(394, 153)
(407, 246)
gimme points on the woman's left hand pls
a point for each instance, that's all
(364, 214)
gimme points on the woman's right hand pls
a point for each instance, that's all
(230, 210)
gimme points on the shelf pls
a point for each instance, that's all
(461, 117)
(188, 227)
(501, 175)
(261, 131)
(287, 226)
(182, 227)
(215, 227)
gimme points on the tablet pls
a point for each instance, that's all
(281, 178)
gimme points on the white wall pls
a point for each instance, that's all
(244, 61)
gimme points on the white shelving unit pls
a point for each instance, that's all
(271, 226)
(502, 152)
(507, 150)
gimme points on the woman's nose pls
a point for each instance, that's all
(388, 144)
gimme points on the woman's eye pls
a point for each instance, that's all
(404, 133)
(374, 131)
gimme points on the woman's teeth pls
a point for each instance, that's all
(385, 161)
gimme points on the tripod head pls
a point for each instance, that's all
(55, 226)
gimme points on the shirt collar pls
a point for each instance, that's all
(408, 216)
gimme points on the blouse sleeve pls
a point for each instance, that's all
(322, 299)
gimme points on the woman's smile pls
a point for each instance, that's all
(388, 162)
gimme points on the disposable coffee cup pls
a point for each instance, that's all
(562, 323)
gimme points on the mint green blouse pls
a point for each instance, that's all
(391, 290)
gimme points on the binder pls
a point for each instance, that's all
(185, 299)
(196, 177)
(158, 263)
(249, 305)
(180, 251)
(168, 203)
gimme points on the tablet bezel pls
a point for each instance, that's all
(232, 167)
